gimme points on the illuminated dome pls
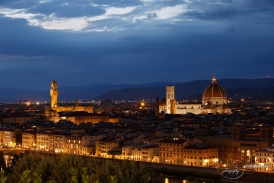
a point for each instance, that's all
(213, 90)
(214, 99)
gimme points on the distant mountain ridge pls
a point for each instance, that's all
(69, 93)
(186, 90)
(194, 89)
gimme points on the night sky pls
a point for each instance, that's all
(80, 42)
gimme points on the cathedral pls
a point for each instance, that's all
(214, 100)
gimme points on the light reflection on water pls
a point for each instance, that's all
(174, 180)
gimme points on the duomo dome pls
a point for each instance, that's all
(214, 90)
(214, 99)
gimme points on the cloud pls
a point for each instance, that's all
(166, 13)
(170, 12)
(50, 17)
(47, 22)
(119, 11)
(72, 16)
(6, 57)
(18, 13)
(53, 23)
(106, 40)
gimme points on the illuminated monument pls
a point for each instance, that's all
(170, 94)
(214, 100)
(51, 112)
(54, 94)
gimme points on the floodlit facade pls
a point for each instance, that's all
(52, 112)
(104, 146)
(44, 142)
(172, 151)
(214, 100)
(264, 160)
(145, 153)
(200, 155)
(75, 142)
(8, 138)
(181, 152)
(28, 140)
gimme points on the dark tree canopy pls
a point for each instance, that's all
(36, 167)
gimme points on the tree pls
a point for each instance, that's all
(25, 177)
(3, 176)
(58, 168)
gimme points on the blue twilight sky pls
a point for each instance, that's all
(79, 42)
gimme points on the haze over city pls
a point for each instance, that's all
(138, 41)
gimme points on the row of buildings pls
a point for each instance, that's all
(254, 151)
(161, 149)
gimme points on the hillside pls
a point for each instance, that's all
(194, 90)
(187, 90)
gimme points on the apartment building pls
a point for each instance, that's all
(264, 160)
(200, 155)
(171, 151)
(29, 140)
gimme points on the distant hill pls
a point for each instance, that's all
(187, 90)
(194, 89)
(241, 93)
(68, 93)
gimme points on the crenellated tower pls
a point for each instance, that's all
(54, 94)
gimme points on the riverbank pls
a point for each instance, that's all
(210, 175)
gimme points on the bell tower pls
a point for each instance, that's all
(170, 95)
(54, 94)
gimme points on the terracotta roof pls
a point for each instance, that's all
(173, 141)
(214, 90)
(200, 147)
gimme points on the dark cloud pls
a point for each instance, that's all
(230, 39)
(229, 9)
(217, 14)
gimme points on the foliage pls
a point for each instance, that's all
(25, 177)
(37, 168)
(3, 176)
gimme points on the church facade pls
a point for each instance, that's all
(214, 100)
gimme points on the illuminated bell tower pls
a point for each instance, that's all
(169, 97)
(54, 94)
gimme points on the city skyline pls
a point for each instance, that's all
(141, 41)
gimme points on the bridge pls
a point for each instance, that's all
(12, 151)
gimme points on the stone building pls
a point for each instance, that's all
(214, 100)
(51, 112)
(240, 146)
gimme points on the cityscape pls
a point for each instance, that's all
(212, 134)
(114, 91)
